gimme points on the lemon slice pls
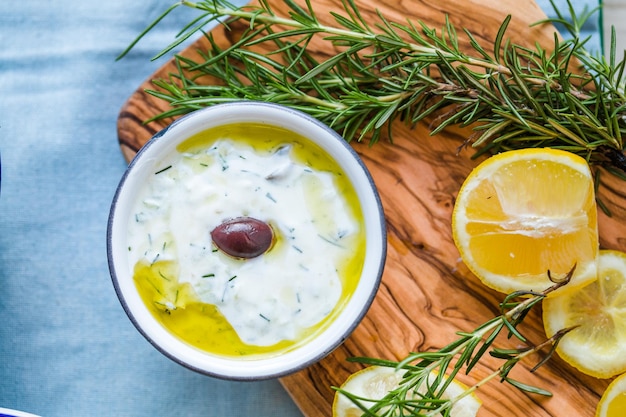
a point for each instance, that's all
(613, 401)
(524, 212)
(374, 382)
(597, 346)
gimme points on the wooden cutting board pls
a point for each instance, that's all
(426, 293)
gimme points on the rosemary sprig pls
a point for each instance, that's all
(512, 96)
(419, 393)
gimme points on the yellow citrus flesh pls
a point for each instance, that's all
(613, 401)
(597, 346)
(375, 382)
(522, 213)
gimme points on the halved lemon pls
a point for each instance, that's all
(522, 213)
(597, 346)
(613, 401)
(374, 382)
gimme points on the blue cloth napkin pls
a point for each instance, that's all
(66, 346)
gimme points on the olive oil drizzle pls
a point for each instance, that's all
(176, 305)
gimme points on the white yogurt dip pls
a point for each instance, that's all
(270, 298)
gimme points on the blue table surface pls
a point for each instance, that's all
(66, 346)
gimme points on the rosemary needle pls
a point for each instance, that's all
(512, 96)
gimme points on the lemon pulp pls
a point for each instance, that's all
(597, 313)
(617, 407)
(523, 213)
(613, 401)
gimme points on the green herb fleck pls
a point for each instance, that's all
(163, 170)
(163, 276)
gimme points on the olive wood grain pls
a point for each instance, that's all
(427, 294)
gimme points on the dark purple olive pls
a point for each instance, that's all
(243, 237)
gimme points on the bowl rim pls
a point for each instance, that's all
(374, 219)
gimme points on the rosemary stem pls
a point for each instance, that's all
(394, 97)
(273, 19)
(512, 96)
(323, 103)
(469, 391)
(480, 333)
(493, 375)
(498, 372)
(316, 27)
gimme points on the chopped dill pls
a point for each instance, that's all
(163, 170)
(271, 197)
(163, 276)
(331, 241)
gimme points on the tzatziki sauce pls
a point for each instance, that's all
(269, 174)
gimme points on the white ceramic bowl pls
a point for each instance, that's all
(164, 143)
(5, 412)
